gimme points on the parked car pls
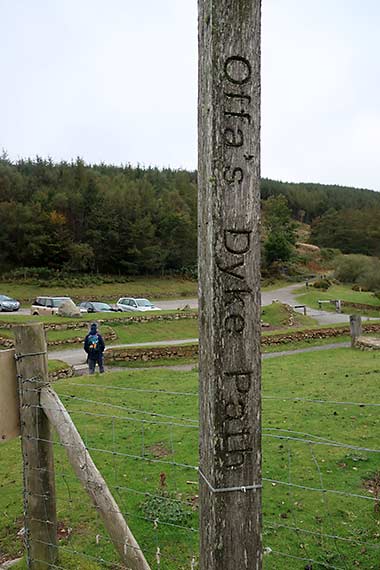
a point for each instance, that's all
(95, 307)
(47, 305)
(8, 304)
(131, 304)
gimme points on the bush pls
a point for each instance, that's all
(323, 284)
(349, 268)
(329, 253)
(361, 270)
(359, 288)
(47, 277)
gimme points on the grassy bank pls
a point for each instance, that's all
(152, 287)
(295, 424)
(310, 297)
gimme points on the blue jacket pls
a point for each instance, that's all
(94, 344)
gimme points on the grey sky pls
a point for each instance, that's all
(116, 81)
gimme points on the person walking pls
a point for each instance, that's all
(94, 347)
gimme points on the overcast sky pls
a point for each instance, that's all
(116, 81)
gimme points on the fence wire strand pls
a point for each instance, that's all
(122, 453)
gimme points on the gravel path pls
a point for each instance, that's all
(81, 369)
(284, 295)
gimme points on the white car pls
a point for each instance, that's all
(131, 304)
(47, 305)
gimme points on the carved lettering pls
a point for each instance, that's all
(243, 380)
(237, 241)
(237, 70)
(237, 431)
(235, 460)
(232, 138)
(240, 114)
(234, 244)
(234, 323)
(234, 409)
(237, 175)
(239, 442)
(233, 269)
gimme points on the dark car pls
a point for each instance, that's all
(8, 304)
(95, 307)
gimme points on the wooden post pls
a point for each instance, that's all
(37, 449)
(355, 328)
(92, 481)
(229, 284)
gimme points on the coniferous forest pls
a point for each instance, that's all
(131, 220)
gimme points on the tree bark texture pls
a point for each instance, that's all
(37, 449)
(229, 284)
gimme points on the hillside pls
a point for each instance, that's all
(131, 220)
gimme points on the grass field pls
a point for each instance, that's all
(152, 287)
(153, 330)
(335, 530)
(310, 297)
(277, 315)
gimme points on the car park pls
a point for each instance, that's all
(95, 307)
(8, 304)
(132, 304)
(47, 305)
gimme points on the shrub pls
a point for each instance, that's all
(322, 284)
(329, 253)
(361, 270)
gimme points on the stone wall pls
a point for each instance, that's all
(114, 355)
(108, 336)
(61, 374)
(367, 343)
(78, 324)
(360, 306)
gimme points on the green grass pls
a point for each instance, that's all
(107, 317)
(152, 287)
(133, 333)
(54, 365)
(310, 296)
(305, 344)
(277, 315)
(335, 375)
(157, 331)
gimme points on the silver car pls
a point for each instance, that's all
(132, 304)
(8, 304)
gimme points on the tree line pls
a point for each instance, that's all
(129, 220)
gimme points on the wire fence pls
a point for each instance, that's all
(321, 494)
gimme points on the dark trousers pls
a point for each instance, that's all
(92, 363)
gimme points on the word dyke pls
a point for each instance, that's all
(234, 243)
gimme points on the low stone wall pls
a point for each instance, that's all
(360, 306)
(114, 355)
(6, 342)
(109, 336)
(367, 343)
(61, 374)
(78, 324)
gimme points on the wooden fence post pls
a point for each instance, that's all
(229, 284)
(355, 328)
(37, 450)
(93, 482)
